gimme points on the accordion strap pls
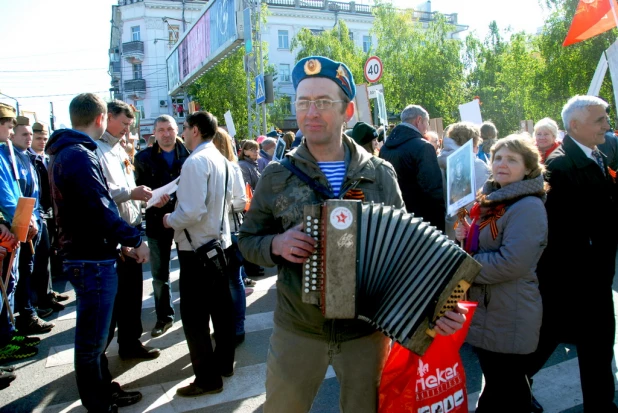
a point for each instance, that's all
(313, 184)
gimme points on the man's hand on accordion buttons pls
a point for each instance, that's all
(293, 245)
(451, 322)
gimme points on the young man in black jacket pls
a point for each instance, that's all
(90, 229)
(155, 167)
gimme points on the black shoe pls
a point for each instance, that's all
(58, 296)
(8, 369)
(25, 341)
(44, 312)
(160, 328)
(228, 374)
(6, 378)
(53, 304)
(193, 390)
(113, 409)
(121, 398)
(139, 352)
(13, 352)
(535, 406)
(33, 325)
(240, 338)
(249, 282)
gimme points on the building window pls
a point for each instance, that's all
(316, 31)
(173, 33)
(283, 39)
(284, 73)
(137, 71)
(179, 107)
(140, 108)
(135, 37)
(366, 44)
(286, 103)
(351, 36)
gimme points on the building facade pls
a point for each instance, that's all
(142, 34)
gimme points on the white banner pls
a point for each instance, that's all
(229, 122)
(471, 112)
(599, 75)
(612, 59)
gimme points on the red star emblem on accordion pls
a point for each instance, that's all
(342, 217)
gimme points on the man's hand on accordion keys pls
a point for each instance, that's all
(451, 322)
(293, 245)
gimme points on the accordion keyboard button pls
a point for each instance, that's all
(306, 290)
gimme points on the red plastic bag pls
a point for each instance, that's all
(432, 383)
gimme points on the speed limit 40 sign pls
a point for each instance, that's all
(373, 69)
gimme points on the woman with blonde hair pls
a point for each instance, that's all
(545, 133)
(507, 236)
(223, 142)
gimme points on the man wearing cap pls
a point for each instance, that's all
(366, 136)
(28, 321)
(44, 295)
(416, 163)
(303, 342)
(118, 171)
(12, 347)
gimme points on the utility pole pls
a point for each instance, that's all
(255, 114)
(51, 116)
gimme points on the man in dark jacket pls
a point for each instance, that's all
(155, 167)
(416, 164)
(45, 296)
(579, 261)
(90, 229)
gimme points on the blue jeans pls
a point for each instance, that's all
(95, 284)
(160, 250)
(7, 329)
(237, 287)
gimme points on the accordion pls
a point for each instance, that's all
(384, 266)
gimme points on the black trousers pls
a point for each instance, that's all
(206, 294)
(41, 277)
(592, 330)
(506, 385)
(128, 305)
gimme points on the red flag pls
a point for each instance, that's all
(592, 17)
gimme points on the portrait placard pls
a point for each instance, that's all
(279, 150)
(460, 178)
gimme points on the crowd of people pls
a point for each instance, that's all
(237, 210)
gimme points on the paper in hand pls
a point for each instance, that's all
(158, 193)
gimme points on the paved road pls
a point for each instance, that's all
(46, 383)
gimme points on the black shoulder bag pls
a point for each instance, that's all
(212, 254)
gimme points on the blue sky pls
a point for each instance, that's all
(61, 47)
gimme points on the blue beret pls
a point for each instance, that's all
(320, 66)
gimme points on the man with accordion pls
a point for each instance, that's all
(327, 165)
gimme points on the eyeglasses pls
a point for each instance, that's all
(320, 104)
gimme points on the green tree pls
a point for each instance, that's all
(421, 65)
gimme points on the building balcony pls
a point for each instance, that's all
(133, 51)
(114, 70)
(135, 88)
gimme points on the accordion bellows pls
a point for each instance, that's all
(384, 266)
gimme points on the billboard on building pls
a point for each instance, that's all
(216, 33)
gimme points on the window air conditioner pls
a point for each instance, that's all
(163, 103)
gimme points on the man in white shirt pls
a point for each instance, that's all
(199, 218)
(118, 171)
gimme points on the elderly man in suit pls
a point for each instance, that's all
(577, 267)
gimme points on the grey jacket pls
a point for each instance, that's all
(509, 313)
(277, 206)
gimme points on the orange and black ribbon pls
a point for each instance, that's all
(492, 220)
